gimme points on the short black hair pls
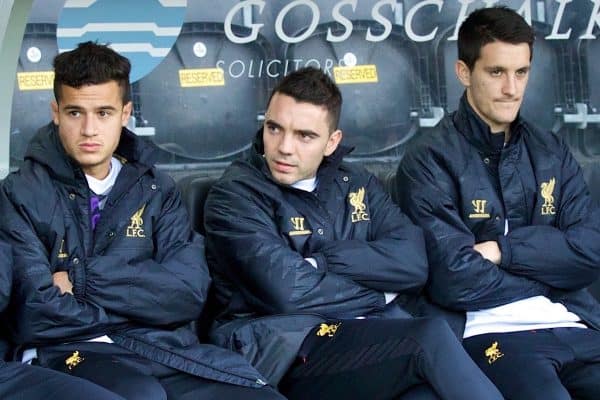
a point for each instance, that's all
(487, 25)
(91, 64)
(312, 85)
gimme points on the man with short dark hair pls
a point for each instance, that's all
(109, 278)
(312, 261)
(513, 238)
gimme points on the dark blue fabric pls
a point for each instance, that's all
(137, 378)
(257, 255)
(547, 364)
(139, 277)
(383, 359)
(25, 382)
(553, 252)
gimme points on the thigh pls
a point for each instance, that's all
(582, 380)
(26, 382)
(420, 392)
(181, 386)
(359, 359)
(129, 377)
(523, 365)
(585, 343)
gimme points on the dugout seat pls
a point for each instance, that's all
(194, 190)
(381, 115)
(197, 113)
(33, 87)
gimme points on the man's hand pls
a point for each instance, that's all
(489, 250)
(61, 280)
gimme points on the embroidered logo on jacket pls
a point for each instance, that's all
(357, 200)
(493, 353)
(546, 189)
(328, 330)
(73, 360)
(298, 224)
(61, 252)
(479, 209)
(136, 227)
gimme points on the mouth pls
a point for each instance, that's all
(281, 166)
(89, 147)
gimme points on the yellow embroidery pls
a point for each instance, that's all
(546, 189)
(136, 227)
(328, 330)
(493, 353)
(479, 209)
(357, 200)
(61, 252)
(298, 223)
(73, 360)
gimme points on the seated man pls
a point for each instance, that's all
(512, 236)
(109, 278)
(308, 254)
(26, 382)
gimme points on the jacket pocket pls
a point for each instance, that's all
(270, 344)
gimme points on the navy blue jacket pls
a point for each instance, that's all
(259, 232)
(6, 263)
(460, 185)
(140, 277)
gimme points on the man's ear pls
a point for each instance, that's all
(127, 108)
(332, 143)
(54, 108)
(463, 73)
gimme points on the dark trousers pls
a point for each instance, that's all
(548, 364)
(25, 382)
(386, 359)
(136, 378)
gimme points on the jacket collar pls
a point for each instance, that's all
(327, 169)
(46, 149)
(477, 131)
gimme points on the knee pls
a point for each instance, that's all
(433, 330)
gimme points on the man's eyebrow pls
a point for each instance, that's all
(272, 122)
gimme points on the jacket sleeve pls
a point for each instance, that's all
(392, 259)
(40, 314)
(565, 256)
(460, 278)
(243, 239)
(169, 287)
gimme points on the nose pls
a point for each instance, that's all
(286, 143)
(510, 85)
(89, 126)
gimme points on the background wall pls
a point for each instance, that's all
(393, 61)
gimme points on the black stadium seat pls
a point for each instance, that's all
(33, 87)
(207, 122)
(373, 126)
(194, 190)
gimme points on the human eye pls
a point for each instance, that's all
(523, 72)
(74, 113)
(306, 136)
(104, 113)
(496, 72)
(272, 128)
